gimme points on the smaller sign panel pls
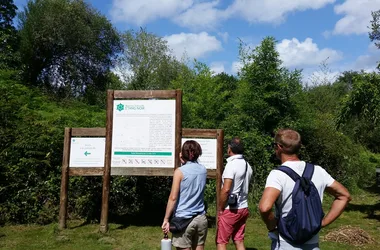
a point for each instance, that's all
(87, 152)
(208, 157)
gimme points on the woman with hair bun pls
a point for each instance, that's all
(186, 199)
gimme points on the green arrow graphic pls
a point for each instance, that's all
(87, 153)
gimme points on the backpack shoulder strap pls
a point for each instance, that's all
(290, 172)
(309, 171)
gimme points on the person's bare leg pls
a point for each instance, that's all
(221, 247)
(239, 245)
(200, 247)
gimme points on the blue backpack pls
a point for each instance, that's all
(305, 217)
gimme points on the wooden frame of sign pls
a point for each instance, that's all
(136, 96)
(77, 171)
(72, 133)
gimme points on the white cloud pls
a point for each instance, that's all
(217, 67)
(326, 34)
(369, 61)
(357, 16)
(143, 11)
(194, 45)
(207, 14)
(236, 67)
(320, 77)
(366, 62)
(271, 11)
(301, 54)
(294, 53)
(224, 36)
(373, 48)
(200, 16)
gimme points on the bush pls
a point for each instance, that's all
(32, 129)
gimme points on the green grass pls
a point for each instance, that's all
(363, 212)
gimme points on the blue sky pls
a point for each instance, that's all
(308, 32)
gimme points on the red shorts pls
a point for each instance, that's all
(231, 223)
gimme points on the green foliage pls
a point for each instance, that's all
(330, 149)
(374, 35)
(84, 197)
(67, 47)
(31, 137)
(8, 36)
(99, 97)
(337, 152)
(124, 198)
(364, 99)
(360, 113)
(367, 164)
(347, 162)
(31, 149)
(261, 103)
(205, 97)
(209, 195)
(146, 62)
(266, 89)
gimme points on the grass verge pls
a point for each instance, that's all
(363, 212)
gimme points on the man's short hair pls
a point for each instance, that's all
(236, 145)
(289, 139)
(191, 150)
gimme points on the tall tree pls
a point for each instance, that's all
(8, 35)
(266, 88)
(147, 62)
(374, 35)
(67, 46)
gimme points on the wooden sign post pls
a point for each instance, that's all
(143, 136)
(134, 125)
(75, 162)
(83, 154)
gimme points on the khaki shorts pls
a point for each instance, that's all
(194, 235)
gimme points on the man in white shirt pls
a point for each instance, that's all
(236, 177)
(279, 187)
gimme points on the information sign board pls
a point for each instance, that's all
(143, 133)
(87, 152)
(208, 157)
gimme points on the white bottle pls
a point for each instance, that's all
(166, 243)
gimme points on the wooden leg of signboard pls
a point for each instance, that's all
(219, 171)
(64, 180)
(107, 164)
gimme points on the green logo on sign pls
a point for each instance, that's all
(87, 153)
(120, 107)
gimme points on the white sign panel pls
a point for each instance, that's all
(143, 133)
(87, 152)
(208, 157)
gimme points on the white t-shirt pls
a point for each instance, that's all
(281, 181)
(235, 170)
